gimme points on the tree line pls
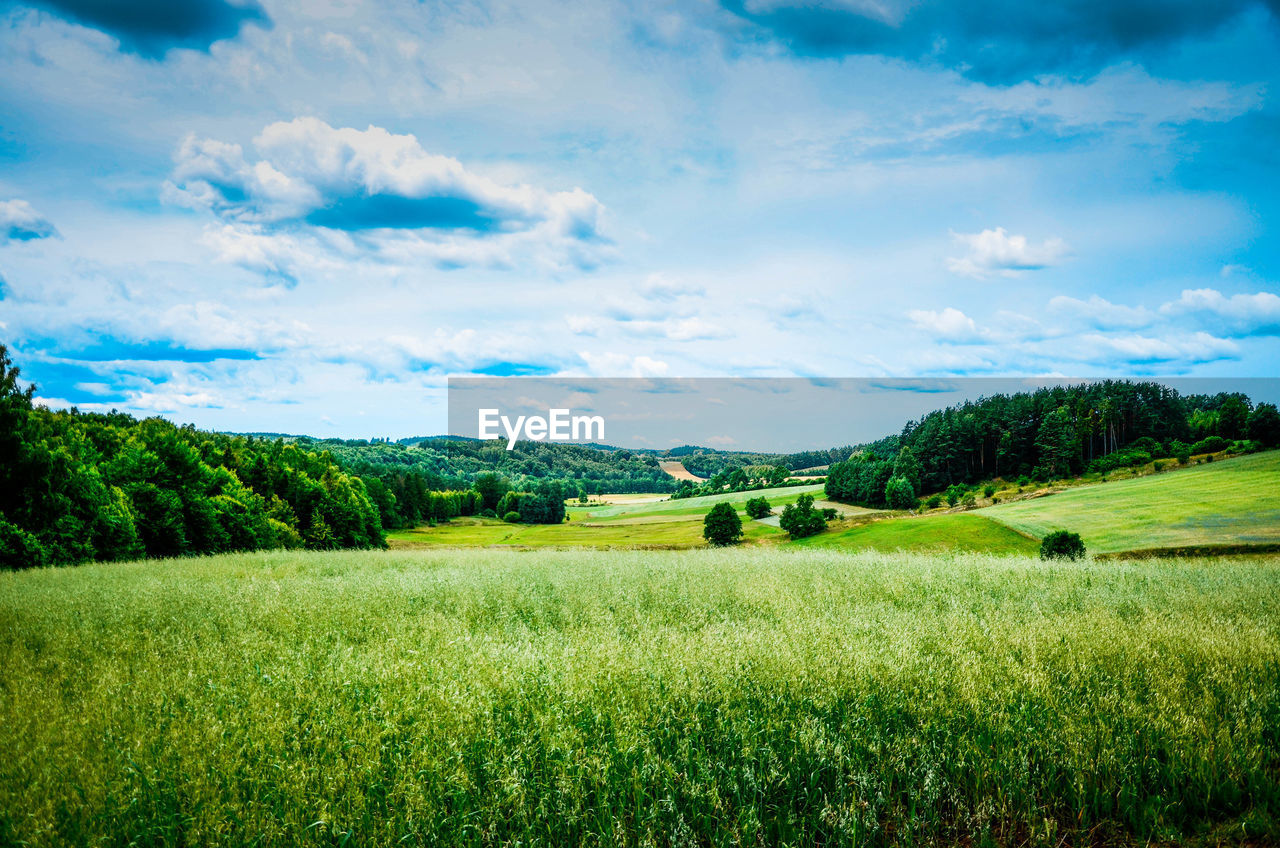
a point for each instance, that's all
(87, 486)
(1050, 433)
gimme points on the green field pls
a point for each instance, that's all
(743, 697)
(653, 523)
(937, 533)
(1234, 502)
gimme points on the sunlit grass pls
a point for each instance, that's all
(743, 697)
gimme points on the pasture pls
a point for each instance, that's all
(740, 697)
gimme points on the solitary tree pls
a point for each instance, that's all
(722, 526)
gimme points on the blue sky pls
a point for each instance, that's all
(304, 217)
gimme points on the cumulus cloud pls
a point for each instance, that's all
(997, 252)
(947, 325)
(20, 222)
(611, 364)
(998, 41)
(153, 27)
(308, 176)
(1243, 314)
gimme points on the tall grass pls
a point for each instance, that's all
(604, 698)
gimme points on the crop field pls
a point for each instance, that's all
(741, 697)
(1234, 502)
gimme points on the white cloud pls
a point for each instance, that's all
(998, 252)
(1244, 314)
(948, 325)
(20, 222)
(1195, 348)
(1102, 313)
(611, 364)
(310, 176)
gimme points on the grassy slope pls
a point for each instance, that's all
(744, 697)
(947, 532)
(1232, 502)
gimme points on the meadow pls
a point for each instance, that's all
(756, 696)
(1229, 503)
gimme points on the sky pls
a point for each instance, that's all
(305, 217)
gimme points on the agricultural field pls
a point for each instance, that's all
(1232, 503)
(713, 697)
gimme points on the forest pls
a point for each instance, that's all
(80, 486)
(1047, 434)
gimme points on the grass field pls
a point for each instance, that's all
(1231, 502)
(633, 522)
(939, 533)
(745, 697)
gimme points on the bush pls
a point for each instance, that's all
(1157, 466)
(934, 501)
(800, 519)
(1062, 544)
(722, 526)
(488, 513)
(512, 517)
(1180, 451)
(1211, 444)
(954, 493)
(1023, 481)
(1126, 458)
(1244, 446)
(759, 507)
(969, 501)
(830, 513)
(989, 491)
(1146, 444)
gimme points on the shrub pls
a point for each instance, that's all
(512, 517)
(988, 491)
(1126, 458)
(1244, 446)
(488, 513)
(759, 507)
(954, 493)
(1062, 544)
(722, 526)
(995, 500)
(800, 519)
(1211, 444)
(934, 501)
(1146, 444)
(1180, 451)
(1157, 466)
(830, 513)
(1023, 481)
(969, 501)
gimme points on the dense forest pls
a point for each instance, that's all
(79, 486)
(1046, 434)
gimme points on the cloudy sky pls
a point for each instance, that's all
(304, 217)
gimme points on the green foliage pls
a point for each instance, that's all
(77, 487)
(988, 491)
(511, 517)
(899, 493)
(934, 501)
(758, 507)
(800, 519)
(722, 526)
(1062, 544)
(1210, 444)
(1126, 458)
(1264, 425)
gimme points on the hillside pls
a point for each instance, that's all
(1234, 502)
